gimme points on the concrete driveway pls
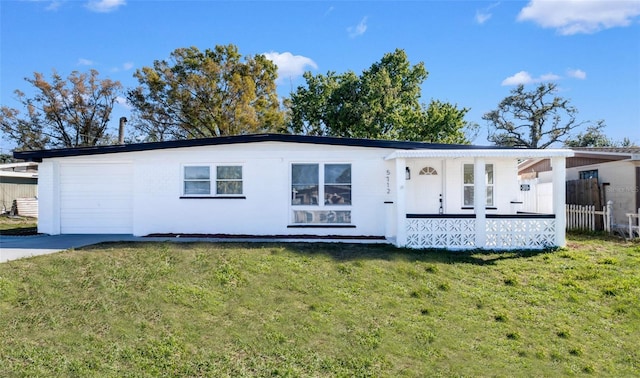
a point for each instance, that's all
(17, 247)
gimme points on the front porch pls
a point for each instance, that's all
(455, 211)
(459, 231)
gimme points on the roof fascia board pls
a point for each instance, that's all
(507, 153)
(237, 139)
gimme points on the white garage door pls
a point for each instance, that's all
(96, 198)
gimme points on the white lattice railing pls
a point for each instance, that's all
(457, 233)
(526, 233)
(501, 232)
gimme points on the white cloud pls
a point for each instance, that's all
(580, 16)
(548, 77)
(523, 77)
(483, 15)
(123, 102)
(329, 11)
(104, 6)
(358, 30)
(53, 4)
(124, 67)
(577, 74)
(85, 62)
(289, 65)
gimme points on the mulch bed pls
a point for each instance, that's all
(241, 236)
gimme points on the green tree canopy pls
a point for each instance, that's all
(381, 103)
(62, 113)
(532, 119)
(594, 136)
(209, 93)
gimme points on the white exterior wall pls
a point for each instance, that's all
(622, 189)
(505, 186)
(48, 206)
(157, 187)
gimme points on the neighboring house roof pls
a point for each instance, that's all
(584, 156)
(609, 150)
(484, 152)
(239, 139)
(27, 170)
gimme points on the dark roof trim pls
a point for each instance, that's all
(237, 139)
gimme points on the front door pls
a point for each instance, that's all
(424, 188)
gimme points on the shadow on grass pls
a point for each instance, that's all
(20, 231)
(348, 252)
(351, 251)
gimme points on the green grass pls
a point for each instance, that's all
(163, 309)
(17, 225)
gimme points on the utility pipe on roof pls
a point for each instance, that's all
(123, 120)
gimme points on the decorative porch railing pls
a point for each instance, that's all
(458, 231)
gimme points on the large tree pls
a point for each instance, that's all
(594, 136)
(61, 113)
(209, 93)
(381, 103)
(532, 119)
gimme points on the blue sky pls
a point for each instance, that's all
(475, 51)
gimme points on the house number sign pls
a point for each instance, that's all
(388, 181)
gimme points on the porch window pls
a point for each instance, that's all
(321, 193)
(197, 180)
(468, 182)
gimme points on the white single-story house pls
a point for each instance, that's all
(411, 194)
(617, 170)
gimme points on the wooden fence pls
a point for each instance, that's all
(584, 192)
(27, 207)
(586, 217)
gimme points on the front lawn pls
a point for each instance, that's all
(18, 225)
(201, 309)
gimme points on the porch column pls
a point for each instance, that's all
(480, 201)
(558, 169)
(401, 207)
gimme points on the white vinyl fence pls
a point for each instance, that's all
(583, 217)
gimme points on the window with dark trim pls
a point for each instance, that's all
(584, 175)
(321, 193)
(198, 179)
